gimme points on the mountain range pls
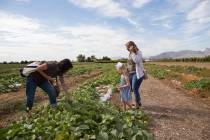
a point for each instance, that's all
(182, 54)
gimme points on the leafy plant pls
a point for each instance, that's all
(10, 82)
(202, 85)
(84, 117)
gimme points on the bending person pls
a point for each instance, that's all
(42, 77)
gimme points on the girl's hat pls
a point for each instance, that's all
(119, 65)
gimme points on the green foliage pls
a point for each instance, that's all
(187, 69)
(202, 85)
(156, 71)
(8, 82)
(191, 59)
(83, 118)
(170, 71)
(84, 68)
(9, 77)
(81, 58)
(160, 74)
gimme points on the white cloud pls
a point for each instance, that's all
(202, 10)
(107, 8)
(167, 25)
(155, 46)
(193, 27)
(23, 38)
(175, 9)
(163, 20)
(22, 0)
(195, 14)
(198, 18)
(183, 5)
(135, 24)
(15, 22)
(140, 3)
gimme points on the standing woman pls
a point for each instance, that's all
(136, 70)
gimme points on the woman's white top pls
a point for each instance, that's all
(137, 58)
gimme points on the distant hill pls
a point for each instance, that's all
(182, 54)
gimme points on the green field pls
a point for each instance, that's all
(9, 75)
(80, 114)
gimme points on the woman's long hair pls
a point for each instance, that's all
(131, 43)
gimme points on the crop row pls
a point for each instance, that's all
(82, 116)
(11, 81)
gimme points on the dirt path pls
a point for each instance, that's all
(176, 115)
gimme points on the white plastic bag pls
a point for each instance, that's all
(107, 96)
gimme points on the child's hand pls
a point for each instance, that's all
(118, 87)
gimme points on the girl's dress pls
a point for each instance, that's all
(125, 92)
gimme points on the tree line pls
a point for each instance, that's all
(14, 62)
(80, 58)
(92, 58)
(191, 59)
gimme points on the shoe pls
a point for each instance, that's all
(27, 109)
(138, 105)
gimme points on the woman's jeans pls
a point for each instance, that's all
(135, 85)
(31, 89)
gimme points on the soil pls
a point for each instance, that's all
(175, 114)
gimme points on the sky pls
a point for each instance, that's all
(57, 29)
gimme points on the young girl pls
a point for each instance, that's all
(124, 86)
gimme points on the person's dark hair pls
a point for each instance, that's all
(65, 65)
(131, 43)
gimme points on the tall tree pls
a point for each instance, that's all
(81, 58)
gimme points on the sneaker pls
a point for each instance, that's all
(27, 109)
(138, 105)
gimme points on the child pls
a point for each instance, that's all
(124, 86)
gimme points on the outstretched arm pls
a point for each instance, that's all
(61, 78)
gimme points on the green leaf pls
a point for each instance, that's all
(83, 127)
(103, 136)
(114, 132)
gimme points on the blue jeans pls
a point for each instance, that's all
(31, 89)
(135, 85)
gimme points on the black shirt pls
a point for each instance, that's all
(52, 71)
